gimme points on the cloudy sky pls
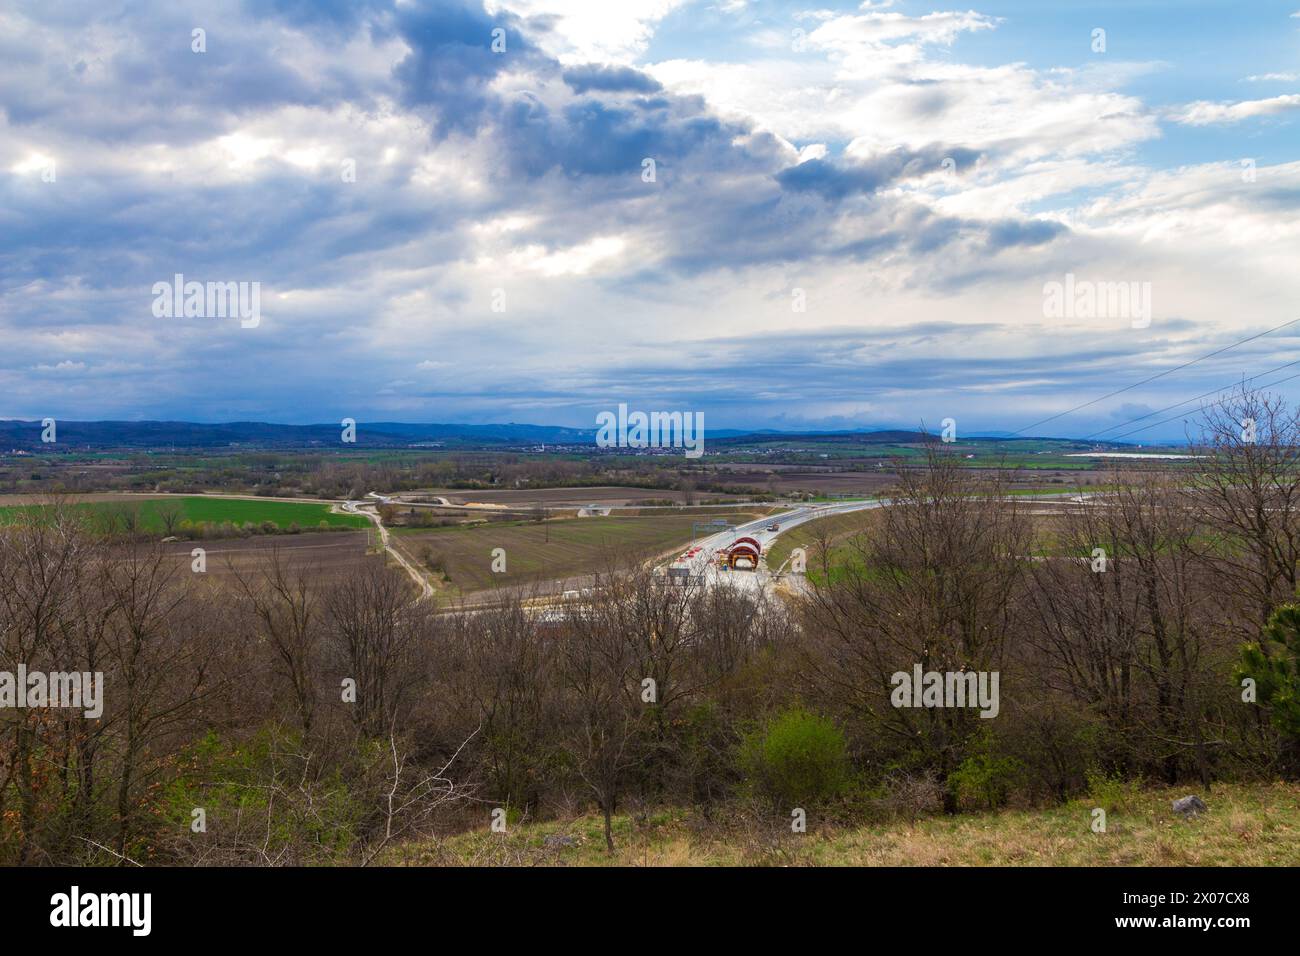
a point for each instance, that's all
(784, 215)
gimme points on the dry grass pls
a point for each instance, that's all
(1247, 825)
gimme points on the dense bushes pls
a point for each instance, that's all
(797, 759)
(986, 777)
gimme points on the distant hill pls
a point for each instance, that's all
(147, 434)
(27, 434)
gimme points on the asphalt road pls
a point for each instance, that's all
(705, 562)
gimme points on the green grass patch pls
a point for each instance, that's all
(147, 513)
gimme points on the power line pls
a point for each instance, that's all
(1175, 418)
(1144, 381)
(1188, 401)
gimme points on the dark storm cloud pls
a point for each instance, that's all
(1006, 233)
(839, 180)
(596, 138)
(452, 60)
(609, 79)
(133, 76)
(562, 148)
(728, 198)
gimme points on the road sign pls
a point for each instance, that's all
(710, 527)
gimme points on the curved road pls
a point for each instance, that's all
(354, 507)
(705, 565)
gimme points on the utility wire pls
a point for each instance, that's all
(1188, 401)
(1144, 381)
(1175, 418)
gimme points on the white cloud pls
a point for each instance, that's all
(592, 31)
(863, 38)
(870, 79)
(575, 260)
(36, 162)
(812, 151)
(1205, 113)
(996, 195)
(1011, 110)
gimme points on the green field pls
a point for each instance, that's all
(148, 513)
(1019, 453)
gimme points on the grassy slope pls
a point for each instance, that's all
(842, 528)
(1247, 825)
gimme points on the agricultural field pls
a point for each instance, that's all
(169, 514)
(613, 496)
(792, 479)
(869, 477)
(322, 557)
(557, 548)
(1035, 453)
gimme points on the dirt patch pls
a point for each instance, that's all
(784, 480)
(324, 556)
(605, 495)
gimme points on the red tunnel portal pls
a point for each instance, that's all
(744, 549)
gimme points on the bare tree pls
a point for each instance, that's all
(41, 556)
(1248, 496)
(160, 641)
(1123, 623)
(169, 514)
(284, 606)
(600, 674)
(936, 587)
(511, 687)
(374, 618)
